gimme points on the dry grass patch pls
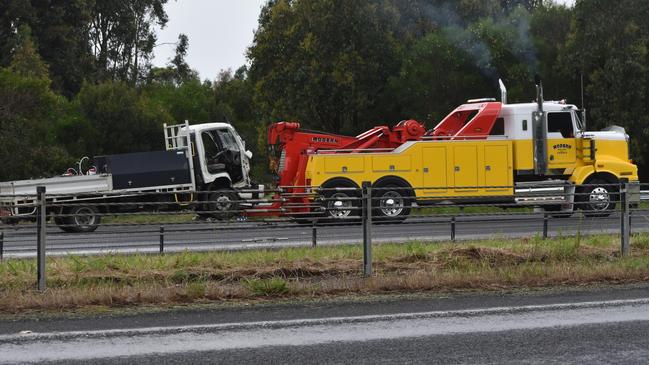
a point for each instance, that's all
(118, 280)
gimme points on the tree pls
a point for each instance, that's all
(60, 30)
(28, 115)
(26, 61)
(233, 97)
(609, 42)
(120, 120)
(122, 37)
(13, 14)
(324, 62)
(191, 100)
(435, 77)
(177, 70)
(549, 30)
(183, 71)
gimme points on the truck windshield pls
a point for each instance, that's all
(227, 139)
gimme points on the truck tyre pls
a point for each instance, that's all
(598, 198)
(81, 219)
(391, 202)
(223, 204)
(61, 223)
(341, 205)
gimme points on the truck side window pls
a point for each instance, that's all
(498, 128)
(211, 148)
(561, 122)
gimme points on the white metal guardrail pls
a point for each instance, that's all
(331, 212)
(644, 195)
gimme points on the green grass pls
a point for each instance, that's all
(140, 218)
(129, 280)
(267, 287)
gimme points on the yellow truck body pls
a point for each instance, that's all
(434, 169)
(449, 168)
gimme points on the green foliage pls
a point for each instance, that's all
(120, 120)
(122, 37)
(28, 146)
(85, 40)
(267, 287)
(26, 60)
(196, 290)
(324, 62)
(609, 42)
(191, 100)
(434, 79)
(76, 77)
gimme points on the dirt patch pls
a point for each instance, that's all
(485, 255)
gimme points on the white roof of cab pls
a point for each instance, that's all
(527, 108)
(197, 128)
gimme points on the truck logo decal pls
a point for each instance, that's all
(562, 146)
(324, 139)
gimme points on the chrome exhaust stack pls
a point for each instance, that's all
(539, 132)
(503, 92)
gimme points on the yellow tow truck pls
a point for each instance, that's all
(537, 154)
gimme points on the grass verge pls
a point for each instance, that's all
(117, 280)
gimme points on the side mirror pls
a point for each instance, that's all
(248, 154)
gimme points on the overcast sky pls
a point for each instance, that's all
(219, 32)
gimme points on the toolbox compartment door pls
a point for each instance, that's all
(497, 173)
(465, 168)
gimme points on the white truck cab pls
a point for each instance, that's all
(221, 154)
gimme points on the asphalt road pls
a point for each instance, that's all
(607, 325)
(20, 241)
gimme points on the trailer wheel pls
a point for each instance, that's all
(81, 219)
(598, 199)
(391, 202)
(223, 204)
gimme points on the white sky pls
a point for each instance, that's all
(219, 33)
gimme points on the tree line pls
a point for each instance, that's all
(76, 76)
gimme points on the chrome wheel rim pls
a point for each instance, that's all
(599, 198)
(85, 217)
(223, 203)
(339, 205)
(391, 204)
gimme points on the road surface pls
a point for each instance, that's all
(595, 327)
(20, 241)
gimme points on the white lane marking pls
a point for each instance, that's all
(338, 320)
(81, 345)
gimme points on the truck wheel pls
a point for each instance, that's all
(223, 204)
(80, 219)
(341, 204)
(61, 223)
(598, 199)
(391, 203)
